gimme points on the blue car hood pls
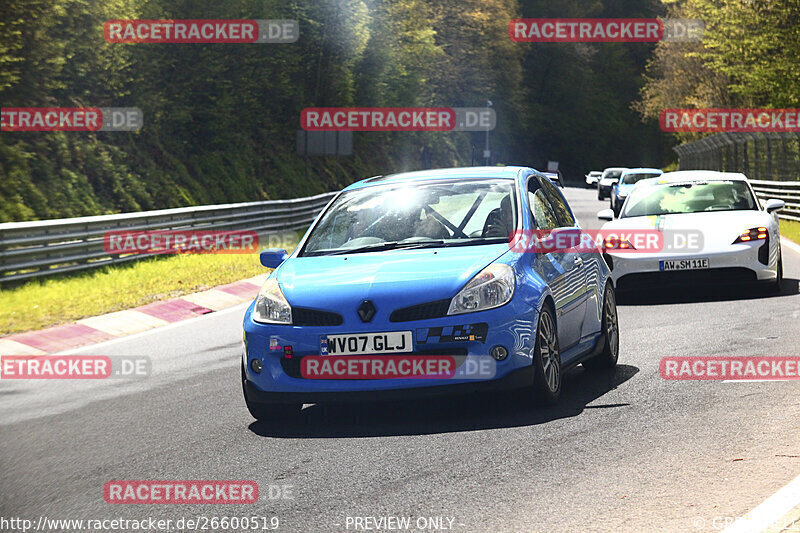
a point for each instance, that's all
(625, 189)
(391, 279)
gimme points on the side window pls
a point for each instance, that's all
(543, 214)
(559, 205)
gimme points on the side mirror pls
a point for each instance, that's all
(273, 257)
(605, 214)
(773, 204)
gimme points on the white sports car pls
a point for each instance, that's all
(711, 229)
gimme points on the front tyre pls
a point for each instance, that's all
(547, 371)
(609, 356)
(777, 285)
(264, 412)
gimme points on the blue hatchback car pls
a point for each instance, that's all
(414, 284)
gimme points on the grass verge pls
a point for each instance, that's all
(43, 303)
(791, 230)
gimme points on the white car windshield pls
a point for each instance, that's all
(629, 179)
(690, 197)
(427, 214)
(612, 174)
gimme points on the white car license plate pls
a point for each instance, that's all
(367, 343)
(685, 264)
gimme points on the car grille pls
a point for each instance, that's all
(292, 365)
(424, 311)
(313, 317)
(679, 277)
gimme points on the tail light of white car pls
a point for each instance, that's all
(753, 234)
(613, 242)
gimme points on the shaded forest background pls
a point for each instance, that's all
(221, 120)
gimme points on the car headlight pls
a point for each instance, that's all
(491, 287)
(271, 305)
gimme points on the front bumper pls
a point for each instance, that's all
(515, 379)
(510, 326)
(738, 263)
(605, 189)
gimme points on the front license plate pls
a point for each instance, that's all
(684, 264)
(367, 343)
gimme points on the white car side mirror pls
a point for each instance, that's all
(606, 214)
(773, 204)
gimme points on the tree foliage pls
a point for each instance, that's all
(749, 57)
(221, 120)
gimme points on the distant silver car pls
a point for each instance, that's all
(592, 178)
(607, 180)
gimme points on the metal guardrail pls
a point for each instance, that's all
(48, 247)
(774, 156)
(757, 155)
(788, 191)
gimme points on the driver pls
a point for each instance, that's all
(723, 196)
(500, 222)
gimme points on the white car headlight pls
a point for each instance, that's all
(271, 305)
(491, 287)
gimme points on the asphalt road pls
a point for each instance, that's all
(623, 451)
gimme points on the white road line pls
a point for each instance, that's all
(770, 511)
(82, 349)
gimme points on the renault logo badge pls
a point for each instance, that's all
(366, 311)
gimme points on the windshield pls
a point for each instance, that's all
(665, 199)
(612, 174)
(629, 179)
(435, 213)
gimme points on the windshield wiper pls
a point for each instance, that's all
(400, 245)
(476, 240)
(378, 247)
